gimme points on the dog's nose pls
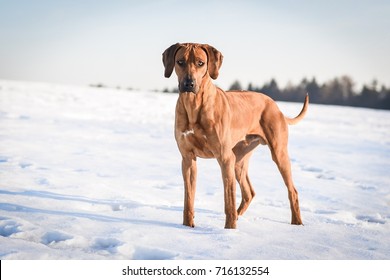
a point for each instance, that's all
(188, 84)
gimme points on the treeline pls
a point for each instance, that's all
(339, 91)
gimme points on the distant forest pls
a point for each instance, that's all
(339, 91)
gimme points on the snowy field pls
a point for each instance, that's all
(91, 173)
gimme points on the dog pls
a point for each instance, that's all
(226, 125)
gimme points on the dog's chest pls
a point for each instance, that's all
(194, 126)
(196, 140)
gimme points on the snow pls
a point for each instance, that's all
(94, 173)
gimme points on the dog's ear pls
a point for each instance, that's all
(168, 58)
(215, 59)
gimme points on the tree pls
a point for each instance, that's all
(236, 86)
(272, 89)
(384, 98)
(314, 91)
(368, 97)
(347, 92)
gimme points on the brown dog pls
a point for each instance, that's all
(212, 123)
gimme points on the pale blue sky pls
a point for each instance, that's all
(121, 42)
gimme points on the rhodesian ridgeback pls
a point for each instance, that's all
(226, 125)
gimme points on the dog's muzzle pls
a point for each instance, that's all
(188, 85)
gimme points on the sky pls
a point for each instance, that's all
(120, 43)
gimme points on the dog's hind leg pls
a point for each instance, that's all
(280, 157)
(282, 161)
(243, 151)
(276, 133)
(247, 191)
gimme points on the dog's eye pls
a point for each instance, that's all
(200, 63)
(180, 62)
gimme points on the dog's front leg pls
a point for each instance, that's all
(189, 176)
(229, 183)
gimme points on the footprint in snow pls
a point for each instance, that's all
(53, 237)
(366, 187)
(375, 219)
(321, 174)
(311, 169)
(326, 177)
(8, 227)
(3, 159)
(106, 244)
(24, 165)
(43, 181)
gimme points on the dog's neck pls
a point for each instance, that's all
(193, 103)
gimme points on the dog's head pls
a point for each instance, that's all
(192, 62)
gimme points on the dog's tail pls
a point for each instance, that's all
(301, 115)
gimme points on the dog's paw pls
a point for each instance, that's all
(188, 219)
(231, 222)
(189, 224)
(297, 222)
(230, 225)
